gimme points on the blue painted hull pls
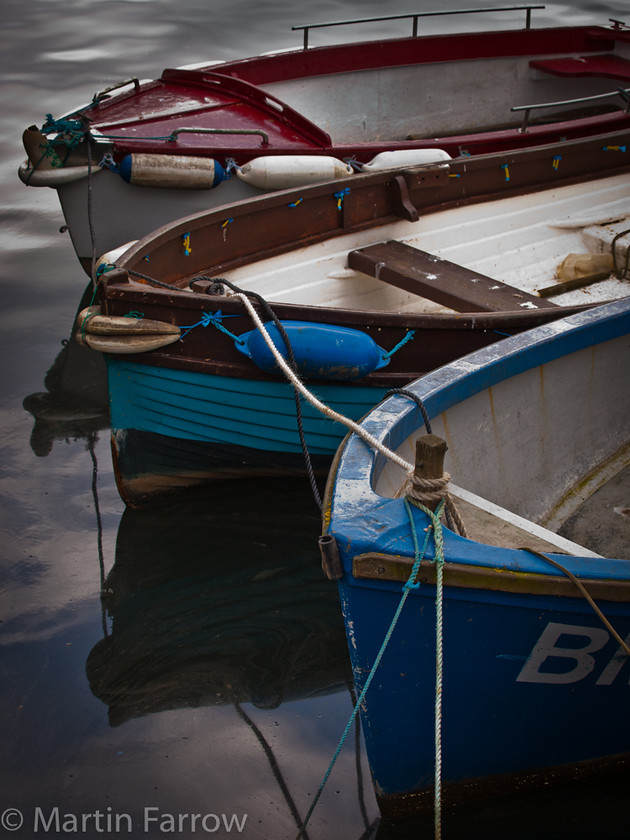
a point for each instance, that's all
(501, 716)
(535, 682)
(175, 428)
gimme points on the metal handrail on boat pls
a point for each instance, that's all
(193, 130)
(415, 15)
(106, 91)
(624, 93)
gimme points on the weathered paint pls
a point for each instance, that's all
(527, 661)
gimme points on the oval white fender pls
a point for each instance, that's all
(404, 157)
(277, 172)
(172, 171)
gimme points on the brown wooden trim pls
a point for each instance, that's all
(375, 566)
(440, 280)
(239, 234)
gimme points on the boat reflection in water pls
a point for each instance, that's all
(75, 403)
(219, 600)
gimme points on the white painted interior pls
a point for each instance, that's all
(428, 100)
(520, 241)
(540, 443)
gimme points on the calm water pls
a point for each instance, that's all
(212, 677)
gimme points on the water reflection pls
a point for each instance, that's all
(75, 403)
(219, 600)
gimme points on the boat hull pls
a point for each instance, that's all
(208, 405)
(531, 685)
(173, 429)
(349, 102)
(534, 674)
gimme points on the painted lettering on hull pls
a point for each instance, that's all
(565, 653)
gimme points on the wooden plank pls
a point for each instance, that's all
(444, 282)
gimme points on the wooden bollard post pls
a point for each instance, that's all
(430, 452)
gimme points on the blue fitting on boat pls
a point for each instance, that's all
(322, 351)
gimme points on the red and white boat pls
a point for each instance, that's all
(147, 153)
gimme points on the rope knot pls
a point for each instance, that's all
(425, 491)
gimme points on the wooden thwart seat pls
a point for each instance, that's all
(444, 282)
(603, 66)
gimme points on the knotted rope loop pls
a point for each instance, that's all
(426, 493)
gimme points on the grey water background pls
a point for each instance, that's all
(189, 660)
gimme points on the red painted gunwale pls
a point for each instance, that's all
(231, 95)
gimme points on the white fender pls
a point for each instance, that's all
(404, 157)
(277, 172)
(183, 172)
(120, 325)
(53, 177)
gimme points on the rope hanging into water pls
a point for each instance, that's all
(91, 447)
(407, 589)
(273, 763)
(438, 541)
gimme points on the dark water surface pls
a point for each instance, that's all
(212, 676)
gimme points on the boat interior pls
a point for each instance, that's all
(385, 91)
(441, 99)
(550, 446)
(564, 246)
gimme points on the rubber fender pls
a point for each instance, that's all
(404, 157)
(322, 351)
(182, 172)
(277, 172)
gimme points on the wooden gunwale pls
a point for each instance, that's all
(269, 226)
(377, 566)
(274, 227)
(425, 49)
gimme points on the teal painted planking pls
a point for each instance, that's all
(252, 413)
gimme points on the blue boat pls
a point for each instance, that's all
(507, 664)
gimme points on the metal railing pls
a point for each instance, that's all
(624, 93)
(414, 16)
(194, 130)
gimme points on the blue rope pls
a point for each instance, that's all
(73, 129)
(409, 586)
(340, 196)
(108, 162)
(103, 268)
(408, 336)
(214, 319)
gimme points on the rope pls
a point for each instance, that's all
(403, 392)
(438, 540)
(408, 336)
(312, 399)
(407, 588)
(214, 319)
(273, 762)
(429, 491)
(244, 296)
(585, 593)
(91, 443)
